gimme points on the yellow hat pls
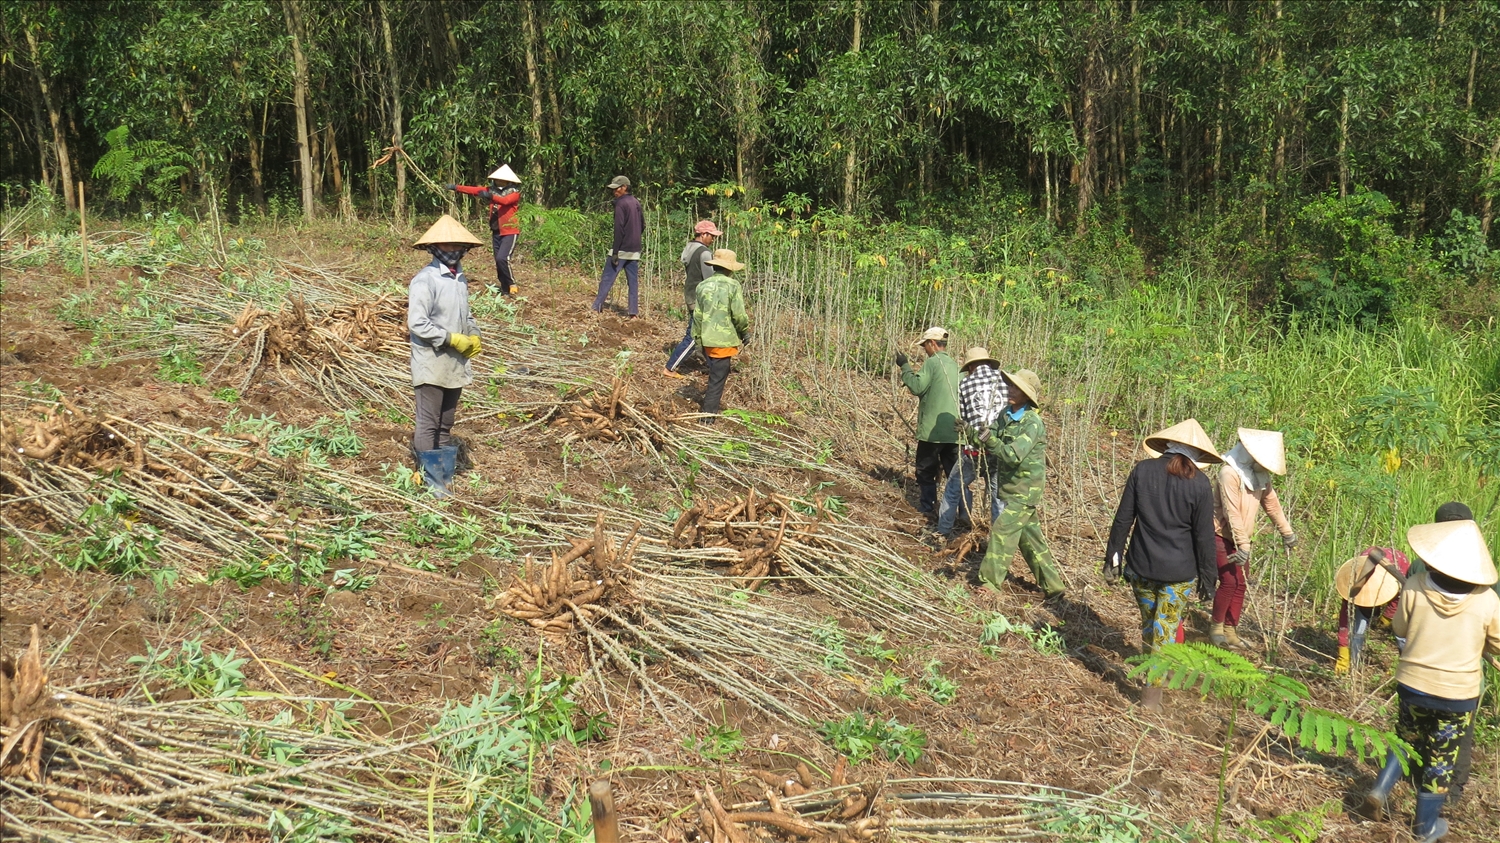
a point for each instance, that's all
(727, 259)
(1455, 548)
(1266, 447)
(1379, 587)
(1026, 381)
(446, 230)
(1185, 433)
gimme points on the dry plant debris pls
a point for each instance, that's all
(612, 418)
(553, 598)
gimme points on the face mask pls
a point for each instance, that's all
(448, 257)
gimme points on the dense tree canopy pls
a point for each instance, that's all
(1149, 112)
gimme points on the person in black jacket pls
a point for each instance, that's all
(1167, 515)
(625, 249)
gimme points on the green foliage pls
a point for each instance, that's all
(309, 826)
(557, 235)
(720, 743)
(858, 738)
(207, 674)
(325, 438)
(127, 164)
(1348, 260)
(1283, 700)
(1397, 420)
(890, 684)
(942, 689)
(116, 540)
(180, 365)
(831, 638)
(1044, 639)
(1296, 827)
(1075, 823)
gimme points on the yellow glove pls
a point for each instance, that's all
(465, 344)
(1382, 621)
(1342, 665)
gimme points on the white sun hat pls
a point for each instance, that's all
(505, 173)
(1188, 433)
(1266, 447)
(1455, 548)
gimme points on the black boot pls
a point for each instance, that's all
(1430, 827)
(1380, 791)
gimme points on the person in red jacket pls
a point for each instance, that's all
(505, 201)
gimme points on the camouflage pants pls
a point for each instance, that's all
(1436, 735)
(1019, 527)
(1162, 606)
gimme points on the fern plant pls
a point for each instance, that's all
(1298, 827)
(1282, 699)
(126, 163)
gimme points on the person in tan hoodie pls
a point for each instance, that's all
(1450, 618)
(1244, 490)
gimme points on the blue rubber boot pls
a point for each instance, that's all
(449, 463)
(1430, 827)
(1380, 792)
(432, 472)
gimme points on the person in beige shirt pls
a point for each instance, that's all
(1244, 490)
(1450, 618)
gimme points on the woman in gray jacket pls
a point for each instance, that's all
(443, 337)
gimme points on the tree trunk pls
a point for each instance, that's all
(1343, 153)
(257, 154)
(44, 161)
(534, 82)
(393, 77)
(54, 115)
(1469, 93)
(1487, 209)
(336, 167)
(1090, 163)
(292, 9)
(849, 162)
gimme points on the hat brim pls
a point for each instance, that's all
(1265, 447)
(1455, 548)
(968, 364)
(736, 266)
(1379, 588)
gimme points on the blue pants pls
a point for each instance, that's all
(607, 282)
(503, 246)
(957, 496)
(683, 348)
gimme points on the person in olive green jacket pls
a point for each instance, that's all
(721, 324)
(1017, 453)
(936, 388)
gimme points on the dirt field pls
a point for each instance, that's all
(414, 640)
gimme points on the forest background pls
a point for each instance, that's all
(1273, 214)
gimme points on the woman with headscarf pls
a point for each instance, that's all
(1244, 490)
(504, 201)
(1450, 618)
(1167, 514)
(443, 337)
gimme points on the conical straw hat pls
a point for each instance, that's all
(1266, 447)
(1379, 589)
(446, 230)
(1187, 433)
(1455, 548)
(505, 173)
(1026, 381)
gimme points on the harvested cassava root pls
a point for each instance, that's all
(858, 815)
(753, 525)
(597, 417)
(65, 435)
(26, 709)
(552, 598)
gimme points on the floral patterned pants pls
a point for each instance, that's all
(1162, 605)
(1436, 736)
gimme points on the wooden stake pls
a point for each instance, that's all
(83, 235)
(606, 822)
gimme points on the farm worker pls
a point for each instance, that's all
(625, 249)
(1244, 490)
(695, 258)
(722, 325)
(443, 337)
(1015, 450)
(1367, 585)
(936, 388)
(1167, 514)
(1450, 618)
(982, 397)
(505, 201)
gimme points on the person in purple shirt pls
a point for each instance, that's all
(625, 251)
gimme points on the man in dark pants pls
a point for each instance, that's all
(936, 388)
(721, 326)
(695, 257)
(625, 250)
(443, 337)
(504, 202)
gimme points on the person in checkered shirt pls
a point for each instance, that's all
(981, 397)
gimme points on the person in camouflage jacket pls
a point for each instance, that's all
(720, 324)
(1017, 454)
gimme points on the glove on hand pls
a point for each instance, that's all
(452, 187)
(464, 344)
(901, 358)
(982, 432)
(1111, 571)
(959, 426)
(1241, 556)
(1289, 541)
(1376, 555)
(614, 261)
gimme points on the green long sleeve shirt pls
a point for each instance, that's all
(1018, 454)
(936, 388)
